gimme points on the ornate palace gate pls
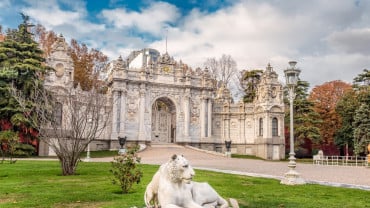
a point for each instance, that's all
(154, 98)
(163, 121)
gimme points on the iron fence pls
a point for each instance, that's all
(341, 161)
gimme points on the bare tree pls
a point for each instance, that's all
(227, 67)
(212, 65)
(222, 69)
(66, 120)
(225, 71)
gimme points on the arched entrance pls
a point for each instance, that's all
(163, 121)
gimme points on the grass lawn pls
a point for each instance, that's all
(40, 184)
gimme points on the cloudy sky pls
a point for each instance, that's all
(330, 39)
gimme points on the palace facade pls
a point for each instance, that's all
(156, 99)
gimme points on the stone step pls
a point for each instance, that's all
(163, 144)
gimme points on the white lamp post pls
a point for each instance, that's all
(88, 153)
(292, 176)
(87, 159)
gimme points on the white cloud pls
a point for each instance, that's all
(50, 15)
(351, 40)
(256, 33)
(151, 20)
(345, 67)
(328, 39)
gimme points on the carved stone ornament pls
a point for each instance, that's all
(132, 106)
(59, 70)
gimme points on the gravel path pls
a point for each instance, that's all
(344, 176)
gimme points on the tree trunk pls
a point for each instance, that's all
(68, 166)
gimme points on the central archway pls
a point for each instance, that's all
(163, 121)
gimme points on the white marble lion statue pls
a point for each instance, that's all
(151, 192)
(206, 196)
(172, 187)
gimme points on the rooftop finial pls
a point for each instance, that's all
(166, 36)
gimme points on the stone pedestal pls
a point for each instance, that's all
(122, 151)
(292, 178)
(228, 154)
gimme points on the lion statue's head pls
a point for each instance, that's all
(179, 169)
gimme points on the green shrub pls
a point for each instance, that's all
(125, 169)
(8, 141)
(24, 150)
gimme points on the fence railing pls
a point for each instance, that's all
(341, 160)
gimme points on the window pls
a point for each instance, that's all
(58, 112)
(260, 127)
(275, 127)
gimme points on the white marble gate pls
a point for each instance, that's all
(163, 121)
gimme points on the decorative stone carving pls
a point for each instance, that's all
(132, 106)
(195, 111)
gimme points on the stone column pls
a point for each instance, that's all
(114, 133)
(203, 118)
(242, 129)
(209, 118)
(226, 118)
(142, 113)
(122, 113)
(186, 116)
(226, 127)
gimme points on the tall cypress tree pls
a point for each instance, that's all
(306, 120)
(21, 66)
(250, 81)
(361, 120)
(346, 108)
(361, 133)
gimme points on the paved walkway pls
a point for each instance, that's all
(344, 176)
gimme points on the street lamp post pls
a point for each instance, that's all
(88, 153)
(87, 159)
(292, 176)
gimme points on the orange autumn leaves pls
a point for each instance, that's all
(325, 98)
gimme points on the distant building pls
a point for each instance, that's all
(155, 99)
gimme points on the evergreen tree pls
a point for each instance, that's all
(346, 108)
(361, 84)
(306, 120)
(361, 120)
(21, 66)
(250, 80)
(361, 126)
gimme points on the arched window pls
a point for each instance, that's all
(275, 131)
(260, 133)
(58, 112)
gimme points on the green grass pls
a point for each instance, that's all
(246, 157)
(40, 184)
(102, 153)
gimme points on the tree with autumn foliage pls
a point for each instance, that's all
(87, 64)
(325, 98)
(45, 39)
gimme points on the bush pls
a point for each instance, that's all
(8, 141)
(125, 169)
(24, 150)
